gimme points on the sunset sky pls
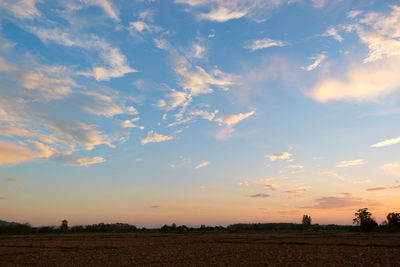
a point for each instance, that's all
(198, 111)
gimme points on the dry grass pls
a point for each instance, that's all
(202, 249)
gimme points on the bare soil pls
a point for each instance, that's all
(202, 249)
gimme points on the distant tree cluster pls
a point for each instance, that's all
(363, 219)
(306, 221)
(184, 228)
(64, 228)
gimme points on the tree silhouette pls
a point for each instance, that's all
(64, 226)
(364, 219)
(393, 221)
(306, 221)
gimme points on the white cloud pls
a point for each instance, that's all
(332, 31)
(368, 82)
(380, 33)
(347, 163)
(295, 166)
(198, 51)
(25, 9)
(229, 121)
(225, 10)
(202, 164)
(233, 119)
(198, 81)
(174, 99)
(210, 116)
(85, 162)
(280, 156)
(222, 14)
(102, 104)
(264, 43)
(140, 26)
(130, 124)
(317, 61)
(334, 174)
(47, 82)
(354, 13)
(224, 133)
(21, 119)
(319, 3)
(273, 187)
(116, 63)
(387, 142)
(11, 154)
(390, 166)
(107, 7)
(153, 137)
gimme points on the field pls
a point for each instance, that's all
(202, 249)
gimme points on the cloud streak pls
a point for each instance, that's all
(264, 43)
(348, 163)
(347, 201)
(202, 164)
(259, 195)
(279, 156)
(153, 137)
(387, 142)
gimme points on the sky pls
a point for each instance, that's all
(198, 111)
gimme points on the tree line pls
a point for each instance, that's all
(363, 221)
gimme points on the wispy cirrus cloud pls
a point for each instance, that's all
(202, 164)
(334, 202)
(107, 7)
(233, 119)
(24, 9)
(280, 156)
(229, 121)
(153, 137)
(332, 32)
(264, 43)
(348, 163)
(387, 142)
(383, 188)
(86, 161)
(116, 63)
(317, 62)
(225, 10)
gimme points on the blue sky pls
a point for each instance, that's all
(198, 111)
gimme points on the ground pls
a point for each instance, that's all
(202, 249)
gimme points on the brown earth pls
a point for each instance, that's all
(202, 249)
